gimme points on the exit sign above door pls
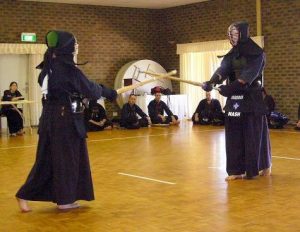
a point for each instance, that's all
(28, 37)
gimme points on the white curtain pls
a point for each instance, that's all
(198, 61)
(35, 54)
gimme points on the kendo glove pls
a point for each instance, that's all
(109, 94)
(207, 86)
(235, 87)
(215, 79)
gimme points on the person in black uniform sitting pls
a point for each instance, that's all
(95, 117)
(129, 118)
(156, 110)
(269, 102)
(61, 173)
(14, 119)
(209, 111)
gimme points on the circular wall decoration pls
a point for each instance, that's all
(130, 74)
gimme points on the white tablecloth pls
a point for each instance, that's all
(178, 104)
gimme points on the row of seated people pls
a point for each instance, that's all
(208, 112)
(132, 116)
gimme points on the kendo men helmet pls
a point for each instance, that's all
(61, 42)
(238, 32)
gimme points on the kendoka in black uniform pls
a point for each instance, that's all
(61, 173)
(129, 118)
(209, 111)
(246, 130)
(156, 109)
(95, 117)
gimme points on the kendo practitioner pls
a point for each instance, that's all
(95, 117)
(208, 112)
(246, 130)
(61, 173)
(156, 109)
(129, 115)
(269, 103)
(14, 119)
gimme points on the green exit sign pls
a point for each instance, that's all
(28, 37)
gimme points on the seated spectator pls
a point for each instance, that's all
(269, 102)
(95, 117)
(298, 123)
(129, 115)
(156, 110)
(14, 118)
(209, 111)
(276, 120)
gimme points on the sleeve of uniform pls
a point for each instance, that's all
(223, 71)
(140, 112)
(124, 113)
(272, 104)
(201, 106)
(253, 69)
(218, 106)
(102, 112)
(166, 108)
(151, 110)
(6, 96)
(198, 107)
(87, 115)
(91, 89)
(18, 94)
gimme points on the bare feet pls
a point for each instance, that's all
(23, 205)
(235, 177)
(265, 172)
(68, 206)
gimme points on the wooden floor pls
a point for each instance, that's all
(191, 197)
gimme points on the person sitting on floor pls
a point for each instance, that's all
(269, 103)
(209, 111)
(13, 114)
(129, 115)
(95, 117)
(156, 110)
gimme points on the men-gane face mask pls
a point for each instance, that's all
(233, 35)
(238, 33)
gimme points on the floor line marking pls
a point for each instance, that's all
(117, 138)
(146, 136)
(7, 148)
(283, 157)
(146, 178)
(284, 131)
(217, 167)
